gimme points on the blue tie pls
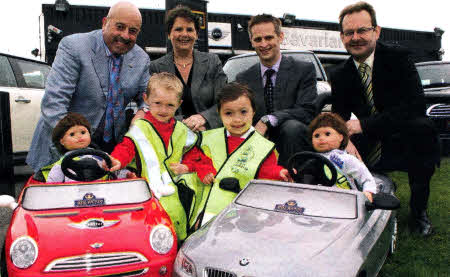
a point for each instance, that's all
(114, 103)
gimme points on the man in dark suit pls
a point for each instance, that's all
(284, 100)
(381, 86)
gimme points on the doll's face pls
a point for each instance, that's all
(237, 115)
(326, 139)
(77, 137)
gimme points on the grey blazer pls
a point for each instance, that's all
(294, 92)
(78, 82)
(207, 80)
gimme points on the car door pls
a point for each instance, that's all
(25, 100)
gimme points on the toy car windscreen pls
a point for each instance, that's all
(299, 201)
(85, 195)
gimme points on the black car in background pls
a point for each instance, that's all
(435, 77)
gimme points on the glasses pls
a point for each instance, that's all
(360, 31)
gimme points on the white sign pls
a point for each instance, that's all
(219, 34)
(311, 39)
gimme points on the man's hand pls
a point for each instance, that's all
(351, 149)
(261, 128)
(195, 122)
(139, 114)
(354, 127)
(208, 179)
(178, 168)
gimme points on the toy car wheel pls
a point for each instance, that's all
(77, 166)
(312, 168)
(393, 245)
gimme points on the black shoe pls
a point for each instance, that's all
(422, 224)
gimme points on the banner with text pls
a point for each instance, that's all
(311, 39)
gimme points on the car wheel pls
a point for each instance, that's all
(3, 270)
(394, 236)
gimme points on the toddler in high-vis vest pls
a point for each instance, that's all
(329, 135)
(236, 150)
(156, 142)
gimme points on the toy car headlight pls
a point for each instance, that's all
(183, 264)
(23, 252)
(161, 239)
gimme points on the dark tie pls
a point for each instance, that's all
(375, 150)
(268, 91)
(114, 102)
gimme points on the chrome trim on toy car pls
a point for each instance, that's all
(213, 272)
(94, 261)
(133, 209)
(439, 110)
(94, 223)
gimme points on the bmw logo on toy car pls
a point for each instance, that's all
(244, 262)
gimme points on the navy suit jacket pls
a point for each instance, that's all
(397, 92)
(294, 92)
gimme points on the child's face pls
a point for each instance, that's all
(237, 115)
(77, 137)
(326, 139)
(163, 103)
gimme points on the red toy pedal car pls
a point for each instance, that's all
(88, 228)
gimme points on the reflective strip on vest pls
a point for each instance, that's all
(150, 161)
(191, 139)
(155, 160)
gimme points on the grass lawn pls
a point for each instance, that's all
(417, 256)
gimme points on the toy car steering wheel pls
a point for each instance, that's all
(311, 169)
(85, 168)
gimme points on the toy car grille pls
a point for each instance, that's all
(439, 110)
(212, 272)
(93, 261)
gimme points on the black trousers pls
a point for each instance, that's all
(414, 147)
(290, 137)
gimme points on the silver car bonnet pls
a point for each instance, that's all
(255, 242)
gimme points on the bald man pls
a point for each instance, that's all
(95, 74)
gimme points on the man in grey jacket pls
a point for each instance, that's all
(94, 74)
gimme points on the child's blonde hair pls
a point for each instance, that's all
(165, 80)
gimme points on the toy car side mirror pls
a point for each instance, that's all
(384, 201)
(8, 201)
(230, 184)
